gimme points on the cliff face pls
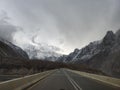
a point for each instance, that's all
(102, 55)
(7, 49)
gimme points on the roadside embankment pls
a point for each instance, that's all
(23, 82)
(105, 79)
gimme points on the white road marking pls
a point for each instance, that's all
(75, 85)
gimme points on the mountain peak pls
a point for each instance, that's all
(76, 50)
(109, 38)
(109, 34)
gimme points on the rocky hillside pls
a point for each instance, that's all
(9, 50)
(102, 55)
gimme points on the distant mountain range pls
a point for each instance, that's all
(102, 55)
(15, 61)
(7, 49)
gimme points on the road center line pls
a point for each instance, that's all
(75, 85)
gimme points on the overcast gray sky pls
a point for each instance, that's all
(65, 24)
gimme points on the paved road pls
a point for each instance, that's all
(66, 80)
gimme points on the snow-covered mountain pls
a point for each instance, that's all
(42, 51)
(103, 54)
(92, 49)
(85, 53)
(7, 49)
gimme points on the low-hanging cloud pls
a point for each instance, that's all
(66, 24)
(7, 30)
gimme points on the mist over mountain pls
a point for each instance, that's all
(9, 50)
(42, 51)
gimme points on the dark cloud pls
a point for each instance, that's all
(6, 29)
(66, 24)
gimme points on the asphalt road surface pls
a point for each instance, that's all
(66, 80)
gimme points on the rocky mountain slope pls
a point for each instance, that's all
(102, 55)
(7, 49)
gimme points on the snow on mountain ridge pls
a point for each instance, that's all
(88, 51)
(41, 51)
(93, 48)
